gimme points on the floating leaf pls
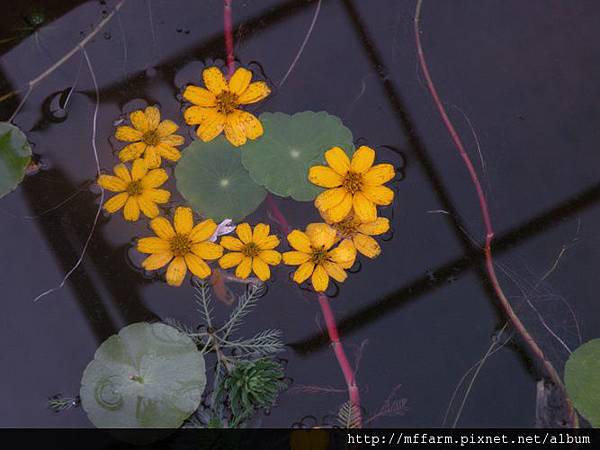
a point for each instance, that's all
(582, 379)
(212, 179)
(15, 155)
(147, 376)
(280, 159)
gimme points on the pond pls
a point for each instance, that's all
(519, 82)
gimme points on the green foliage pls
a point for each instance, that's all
(252, 385)
(280, 159)
(582, 379)
(15, 155)
(211, 177)
(148, 375)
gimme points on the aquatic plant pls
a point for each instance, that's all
(15, 156)
(582, 380)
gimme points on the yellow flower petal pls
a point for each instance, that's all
(153, 245)
(338, 160)
(261, 269)
(320, 279)
(157, 195)
(270, 257)
(172, 140)
(122, 172)
(148, 207)
(139, 120)
(363, 159)
(197, 265)
(335, 271)
(211, 127)
(330, 198)
(230, 260)
(344, 254)
(183, 220)
(321, 235)
(299, 241)
(234, 129)
(379, 226)
(128, 134)
(214, 80)
(243, 269)
(366, 245)
(295, 258)
(195, 115)
(255, 92)
(364, 208)
(157, 261)
(199, 96)
(340, 211)
(379, 174)
(240, 80)
(115, 203)
(244, 232)
(131, 211)
(208, 250)
(380, 195)
(152, 157)
(112, 183)
(252, 126)
(231, 243)
(203, 230)
(162, 227)
(139, 169)
(324, 176)
(176, 271)
(168, 152)
(132, 151)
(153, 117)
(261, 231)
(166, 128)
(303, 272)
(154, 178)
(269, 243)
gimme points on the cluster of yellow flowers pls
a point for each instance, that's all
(323, 250)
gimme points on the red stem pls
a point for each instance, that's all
(489, 261)
(228, 27)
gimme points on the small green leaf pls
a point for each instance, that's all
(147, 376)
(582, 379)
(290, 145)
(210, 176)
(15, 155)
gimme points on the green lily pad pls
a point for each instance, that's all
(582, 379)
(211, 177)
(15, 155)
(279, 160)
(147, 376)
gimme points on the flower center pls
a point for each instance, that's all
(250, 249)
(353, 182)
(346, 228)
(319, 256)
(180, 245)
(227, 102)
(151, 138)
(135, 188)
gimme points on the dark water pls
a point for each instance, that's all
(525, 74)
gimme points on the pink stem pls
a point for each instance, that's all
(489, 261)
(286, 228)
(228, 27)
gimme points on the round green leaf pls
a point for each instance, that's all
(210, 176)
(15, 155)
(582, 379)
(280, 159)
(147, 376)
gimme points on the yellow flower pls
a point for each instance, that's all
(149, 137)
(252, 252)
(355, 185)
(359, 233)
(314, 254)
(216, 107)
(137, 190)
(185, 247)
